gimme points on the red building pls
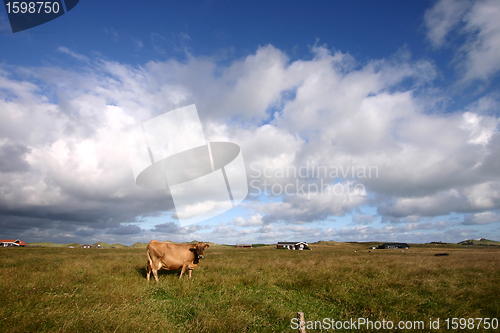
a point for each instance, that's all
(12, 242)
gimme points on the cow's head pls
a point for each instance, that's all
(199, 249)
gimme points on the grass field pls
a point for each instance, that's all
(245, 290)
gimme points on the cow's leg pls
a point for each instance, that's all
(148, 271)
(155, 268)
(183, 270)
(155, 274)
(190, 271)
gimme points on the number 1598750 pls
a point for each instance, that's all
(32, 7)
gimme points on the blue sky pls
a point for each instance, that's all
(411, 88)
(206, 28)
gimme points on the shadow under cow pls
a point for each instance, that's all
(162, 272)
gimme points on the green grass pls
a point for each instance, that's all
(48, 244)
(242, 290)
(108, 246)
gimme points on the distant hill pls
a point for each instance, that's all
(108, 246)
(482, 241)
(139, 245)
(47, 244)
(77, 245)
(103, 245)
(330, 243)
(118, 246)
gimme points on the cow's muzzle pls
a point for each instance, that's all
(200, 256)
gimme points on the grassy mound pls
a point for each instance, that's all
(139, 245)
(482, 241)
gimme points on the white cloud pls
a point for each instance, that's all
(417, 232)
(443, 17)
(171, 228)
(483, 52)
(112, 32)
(252, 221)
(72, 164)
(138, 43)
(72, 53)
(477, 21)
(363, 219)
(484, 195)
(312, 206)
(482, 218)
(173, 41)
(125, 230)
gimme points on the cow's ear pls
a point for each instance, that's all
(206, 245)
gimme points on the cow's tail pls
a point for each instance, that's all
(150, 261)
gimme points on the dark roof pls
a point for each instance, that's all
(290, 243)
(396, 244)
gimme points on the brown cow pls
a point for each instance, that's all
(172, 256)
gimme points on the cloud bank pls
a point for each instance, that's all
(65, 172)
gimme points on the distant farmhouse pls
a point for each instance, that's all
(394, 246)
(244, 245)
(292, 245)
(12, 242)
